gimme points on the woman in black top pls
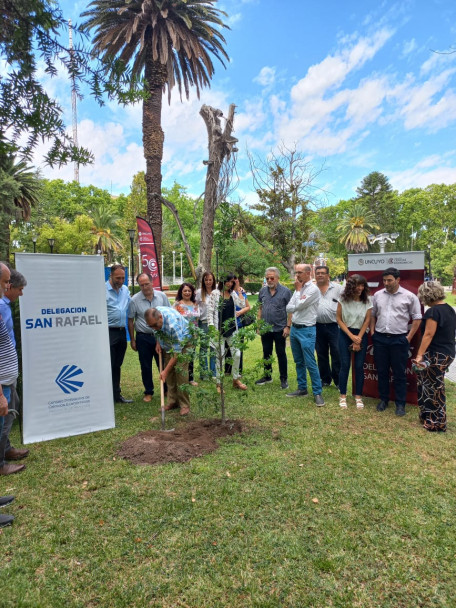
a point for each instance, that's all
(435, 355)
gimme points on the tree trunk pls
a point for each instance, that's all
(221, 145)
(153, 138)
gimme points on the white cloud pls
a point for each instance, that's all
(266, 76)
(252, 117)
(116, 160)
(437, 61)
(317, 100)
(408, 47)
(419, 108)
(433, 169)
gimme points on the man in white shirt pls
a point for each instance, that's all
(302, 317)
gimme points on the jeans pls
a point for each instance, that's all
(345, 361)
(302, 343)
(145, 345)
(391, 353)
(203, 352)
(328, 342)
(268, 340)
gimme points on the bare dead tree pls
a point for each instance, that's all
(219, 178)
(286, 188)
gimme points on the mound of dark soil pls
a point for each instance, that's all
(183, 444)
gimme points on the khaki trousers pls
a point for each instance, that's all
(176, 377)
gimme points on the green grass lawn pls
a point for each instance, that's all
(314, 507)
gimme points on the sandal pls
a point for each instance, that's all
(343, 402)
(359, 403)
(238, 384)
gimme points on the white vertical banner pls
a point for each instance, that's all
(66, 366)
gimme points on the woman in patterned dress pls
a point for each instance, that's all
(434, 356)
(187, 306)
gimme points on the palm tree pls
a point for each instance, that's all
(356, 225)
(168, 42)
(105, 226)
(20, 190)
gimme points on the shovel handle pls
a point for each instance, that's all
(162, 390)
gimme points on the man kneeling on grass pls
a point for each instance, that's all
(173, 334)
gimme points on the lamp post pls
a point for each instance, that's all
(163, 261)
(131, 234)
(34, 240)
(51, 244)
(430, 270)
(182, 276)
(382, 239)
(174, 267)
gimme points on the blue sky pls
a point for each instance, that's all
(355, 86)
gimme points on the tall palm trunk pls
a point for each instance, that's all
(153, 138)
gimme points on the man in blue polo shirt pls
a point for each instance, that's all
(117, 302)
(173, 334)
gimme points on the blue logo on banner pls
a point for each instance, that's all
(65, 379)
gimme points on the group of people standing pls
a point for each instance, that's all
(155, 327)
(327, 324)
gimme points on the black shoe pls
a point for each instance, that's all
(264, 380)
(283, 384)
(319, 401)
(6, 520)
(299, 393)
(123, 400)
(400, 410)
(6, 500)
(381, 407)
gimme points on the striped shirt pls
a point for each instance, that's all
(8, 357)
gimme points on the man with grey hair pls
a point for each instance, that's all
(7, 451)
(144, 343)
(173, 338)
(302, 310)
(273, 299)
